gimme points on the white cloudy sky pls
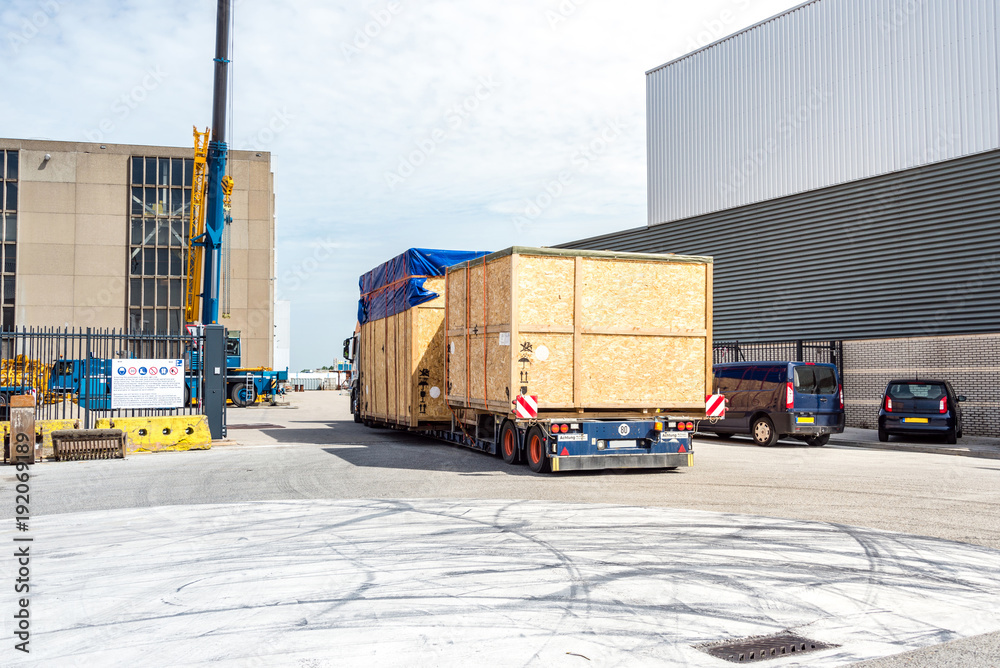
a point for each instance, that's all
(437, 131)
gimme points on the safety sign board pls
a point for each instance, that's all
(147, 383)
(715, 405)
(526, 406)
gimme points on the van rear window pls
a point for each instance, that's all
(815, 380)
(916, 391)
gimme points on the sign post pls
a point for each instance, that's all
(22, 429)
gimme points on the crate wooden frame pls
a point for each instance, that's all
(508, 296)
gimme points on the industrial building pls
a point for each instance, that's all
(841, 162)
(96, 235)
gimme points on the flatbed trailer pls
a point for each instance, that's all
(565, 360)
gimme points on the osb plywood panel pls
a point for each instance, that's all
(404, 379)
(545, 291)
(551, 379)
(498, 288)
(429, 373)
(392, 409)
(434, 284)
(456, 367)
(476, 369)
(656, 371)
(498, 373)
(378, 380)
(643, 295)
(477, 302)
(456, 298)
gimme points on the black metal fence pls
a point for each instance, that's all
(829, 352)
(70, 371)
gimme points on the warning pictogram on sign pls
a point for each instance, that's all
(715, 406)
(526, 406)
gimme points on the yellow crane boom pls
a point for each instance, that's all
(199, 181)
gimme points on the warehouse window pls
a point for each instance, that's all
(8, 235)
(158, 238)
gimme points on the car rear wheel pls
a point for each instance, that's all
(819, 441)
(763, 432)
(883, 435)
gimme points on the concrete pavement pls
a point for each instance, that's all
(968, 446)
(463, 582)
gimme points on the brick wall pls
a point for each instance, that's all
(971, 363)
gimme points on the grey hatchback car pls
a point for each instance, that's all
(927, 407)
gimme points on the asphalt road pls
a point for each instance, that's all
(320, 453)
(314, 451)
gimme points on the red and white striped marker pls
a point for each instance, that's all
(526, 406)
(715, 406)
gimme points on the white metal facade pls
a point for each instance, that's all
(829, 92)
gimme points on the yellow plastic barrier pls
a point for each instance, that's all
(161, 433)
(142, 434)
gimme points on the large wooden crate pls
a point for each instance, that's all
(584, 331)
(401, 360)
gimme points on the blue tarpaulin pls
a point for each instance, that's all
(396, 285)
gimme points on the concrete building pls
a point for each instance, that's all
(841, 162)
(95, 235)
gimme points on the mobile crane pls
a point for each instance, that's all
(210, 205)
(208, 216)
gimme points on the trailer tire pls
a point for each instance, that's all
(242, 394)
(510, 443)
(534, 446)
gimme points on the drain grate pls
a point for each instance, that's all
(763, 648)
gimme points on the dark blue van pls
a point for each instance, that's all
(772, 400)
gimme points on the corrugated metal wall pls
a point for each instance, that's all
(916, 253)
(830, 92)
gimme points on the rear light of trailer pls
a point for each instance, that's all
(563, 428)
(680, 426)
(555, 429)
(560, 428)
(789, 396)
(690, 426)
(840, 392)
(658, 426)
(888, 404)
(943, 407)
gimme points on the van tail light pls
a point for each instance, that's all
(943, 408)
(840, 391)
(789, 396)
(888, 404)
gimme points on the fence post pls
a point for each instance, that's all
(798, 351)
(86, 378)
(214, 370)
(22, 429)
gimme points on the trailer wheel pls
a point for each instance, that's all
(242, 394)
(510, 443)
(538, 458)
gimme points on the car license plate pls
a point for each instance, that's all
(805, 420)
(917, 420)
